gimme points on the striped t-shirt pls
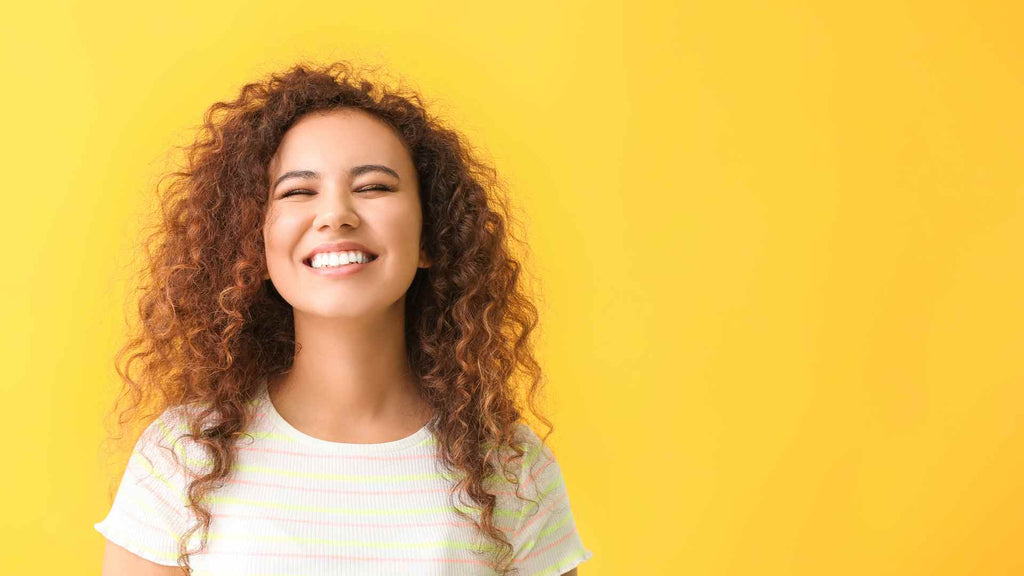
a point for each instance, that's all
(298, 505)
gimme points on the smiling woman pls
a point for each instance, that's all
(331, 334)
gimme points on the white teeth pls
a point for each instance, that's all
(336, 259)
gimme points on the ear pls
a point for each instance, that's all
(425, 261)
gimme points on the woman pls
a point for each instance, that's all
(331, 328)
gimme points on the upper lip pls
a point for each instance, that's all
(339, 247)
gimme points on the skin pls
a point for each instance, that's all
(351, 381)
(119, 562)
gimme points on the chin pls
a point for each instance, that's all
(349, 310)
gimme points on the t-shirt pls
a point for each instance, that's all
(297, 505)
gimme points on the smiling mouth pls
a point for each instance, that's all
(309, 262)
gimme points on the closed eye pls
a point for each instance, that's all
(376, 187)
(371, 188)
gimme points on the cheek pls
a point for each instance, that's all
(279, 235)
(405, 224)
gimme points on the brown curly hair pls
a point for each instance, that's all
(210, 329)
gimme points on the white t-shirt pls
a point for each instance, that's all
(298, 505)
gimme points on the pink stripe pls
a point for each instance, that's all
(343, 524)
(335, 490)
(536, 473)
(542, 513)
(343, 557)
(341, 456)
(173, 508)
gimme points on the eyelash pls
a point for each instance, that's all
(366, 189)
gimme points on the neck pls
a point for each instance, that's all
(351, 378)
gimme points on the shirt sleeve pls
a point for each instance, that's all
(149, 514)
(546, 542)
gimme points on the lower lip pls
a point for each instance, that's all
(346, 270)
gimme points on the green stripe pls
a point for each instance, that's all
(563, 519)
(448, 544)
(163, 480)
(353, 511)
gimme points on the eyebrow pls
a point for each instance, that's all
(353, 172)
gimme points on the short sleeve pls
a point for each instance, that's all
(546, 542)
(149, 514)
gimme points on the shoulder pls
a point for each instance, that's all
(535, 449)
(167, 429)
(527, 438)
(166, 445)
(540, 476)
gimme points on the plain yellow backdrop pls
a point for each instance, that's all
(780, 246)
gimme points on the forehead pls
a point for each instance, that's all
(337, 139)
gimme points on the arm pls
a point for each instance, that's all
(119, 562)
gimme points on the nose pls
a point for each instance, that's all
(336, 209)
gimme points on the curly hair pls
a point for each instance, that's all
(210, 329)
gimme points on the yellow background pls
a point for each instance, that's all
(780, 246)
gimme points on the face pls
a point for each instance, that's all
(340, 176)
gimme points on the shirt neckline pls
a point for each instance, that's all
(278, 421)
